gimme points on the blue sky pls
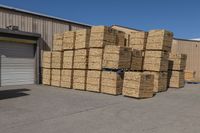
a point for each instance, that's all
(180, 16)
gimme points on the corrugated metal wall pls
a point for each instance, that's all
(192, 49)
(32, 23)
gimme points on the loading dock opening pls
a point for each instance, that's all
(19, 57)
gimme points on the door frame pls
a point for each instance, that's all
(13, 36)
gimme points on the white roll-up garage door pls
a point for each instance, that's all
(17, 64)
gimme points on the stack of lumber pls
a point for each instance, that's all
(117, 57)
(58, 42)
(46, 67)
(100, 59)
(56, 77)
(79, 79)
(177, 65)
(138, 40)
(136, 60)
(138, 85)
(66, 78)
(189, 75)
(93, 82)
(112, 82)
(69, 40)
(158, 46)
(82, 39)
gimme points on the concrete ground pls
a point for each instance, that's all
(44, 109)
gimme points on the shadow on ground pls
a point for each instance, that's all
(14, 93)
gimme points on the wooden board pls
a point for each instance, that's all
(189, 75)
(68, 58)
(58, 42)
(176, 79)
(66, 78)
(69, 40)
(177, 62)
(160, 81)
(81, 59)
(138, 40)
(138, 85)
(156, 61)
(82, 39)
(93, 82)
(111, 83)
(159, 40)
(46, 76)
(46, 59)
(56, 77)
(136, 60)
(79, 79)
(57, 59)
(117, 57)
(95, 58)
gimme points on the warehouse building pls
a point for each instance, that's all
(24, 35)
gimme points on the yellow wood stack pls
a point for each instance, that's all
(79, 79)
(82, 39)
(57, 59)
(189, 75)
(93, 82)
(156, 57)
(66, 78)
(176, 79)
(111, 83)
(138, 85)
(58, 42)
(138, 40)
(46, 76)
(177, 65)
(117, 57)
(136, 60)
(56, 77)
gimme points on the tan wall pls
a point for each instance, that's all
(37, 24)
(192, 49)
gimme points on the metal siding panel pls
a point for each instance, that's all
(17, 64)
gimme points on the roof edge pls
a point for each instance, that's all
(186, 40)
(42, 15)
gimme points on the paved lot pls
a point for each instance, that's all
(43, 109)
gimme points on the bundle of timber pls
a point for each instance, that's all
(81, 59)
(136, 60)
(66, 78)
(176, 79)
(95, 58)
(68, 58)
(159, 40)
(189, 75)
(93, 82)
(57, 59)
(117, 57)
(138, 85)
(46, 60)
(55, 77)
(102, 36)
(112, 82)
(58, 42)
(156, 61)
(177, 65)
(46, 76)
(138, 40)
(79, 79)
(160, 81)
(82, 39)
(177, 62)
(69, 40)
